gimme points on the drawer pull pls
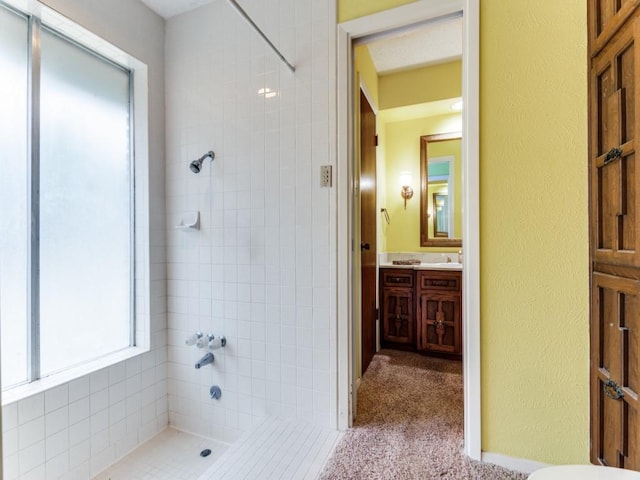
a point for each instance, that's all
(397, 279)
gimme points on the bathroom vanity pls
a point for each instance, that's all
(421, 309)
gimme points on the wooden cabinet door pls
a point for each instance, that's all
(615, 371)
(605, 17)
(398, 324)
(614, 107)
(439, 318)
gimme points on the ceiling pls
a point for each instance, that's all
(430, 44)
(170, 8)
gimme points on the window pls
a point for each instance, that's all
(67, 202)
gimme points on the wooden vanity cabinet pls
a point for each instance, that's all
(421, 310)
(397, 307)
(439, 312)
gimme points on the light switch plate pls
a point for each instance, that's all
(326, 176)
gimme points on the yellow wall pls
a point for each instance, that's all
(402, 146)
(534, 241)
(421, 85)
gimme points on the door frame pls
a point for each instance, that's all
(420, 10)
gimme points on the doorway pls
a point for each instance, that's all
(422, 10)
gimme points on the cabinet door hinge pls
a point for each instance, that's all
(376, 140)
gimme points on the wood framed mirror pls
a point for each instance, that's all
(440, 190)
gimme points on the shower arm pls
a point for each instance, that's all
(246, 16)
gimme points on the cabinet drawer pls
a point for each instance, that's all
(397, 278)
(440, 281)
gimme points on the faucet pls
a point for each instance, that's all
(460, 256)
(446, 258)
(206, 360)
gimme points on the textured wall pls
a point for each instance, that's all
(258, 271)
(402, 147)
(421, 85)
(534, 244)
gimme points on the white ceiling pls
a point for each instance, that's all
(170, 8)
(431, 44)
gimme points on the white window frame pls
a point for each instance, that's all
(140, 284)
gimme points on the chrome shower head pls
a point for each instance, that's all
(196, 165)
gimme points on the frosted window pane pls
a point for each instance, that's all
(85, 233)
(13, 197)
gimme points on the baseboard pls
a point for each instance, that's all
(523, 465)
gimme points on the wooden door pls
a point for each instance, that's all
(614, 217)
(368, 233)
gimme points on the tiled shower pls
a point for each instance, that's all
(258, 270)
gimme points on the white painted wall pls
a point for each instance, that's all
(78, 428)
(260, 269)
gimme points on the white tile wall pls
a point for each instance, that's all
(258, 269)
(79, 428)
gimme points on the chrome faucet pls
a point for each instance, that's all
(460, 256)
(206, 360)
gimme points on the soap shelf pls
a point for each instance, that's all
(189, 221)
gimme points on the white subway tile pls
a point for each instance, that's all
(31, 457)
(57, 444)
(80, 432)
(56, 398)
(30, 408)
(30, 433)
(56, 420)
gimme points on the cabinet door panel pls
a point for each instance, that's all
(439, 323)
(605, 17)
(614, 183)
(397, 316)
(615, 353)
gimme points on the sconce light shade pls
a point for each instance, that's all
(405, 179)
(405, 183)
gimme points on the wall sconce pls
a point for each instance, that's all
(407, 191)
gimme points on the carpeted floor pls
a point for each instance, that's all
(409, 425)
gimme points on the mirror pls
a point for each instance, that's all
(440, 190)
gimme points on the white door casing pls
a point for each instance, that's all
(421, 10)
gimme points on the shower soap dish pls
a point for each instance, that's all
(189, 221)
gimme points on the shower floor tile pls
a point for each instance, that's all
(170, 455)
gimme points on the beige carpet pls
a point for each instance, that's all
(409, 425)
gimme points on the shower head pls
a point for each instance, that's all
(196, 165)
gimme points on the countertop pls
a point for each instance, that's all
(457, 267)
